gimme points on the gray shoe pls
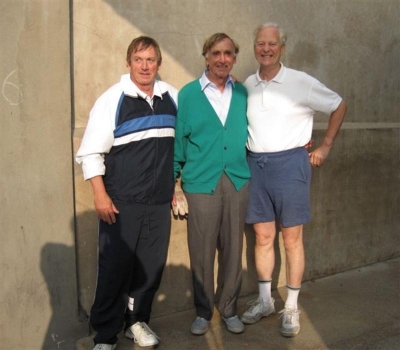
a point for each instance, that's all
(199, 326)
(234, 325)
(291, 322)
(257, 311)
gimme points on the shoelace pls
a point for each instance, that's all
(254, 304)
(288, 313)
(102, 347)
(145, 329)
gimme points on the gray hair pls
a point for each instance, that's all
(282, 34)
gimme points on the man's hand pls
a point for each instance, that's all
(318, 156)
(105, 208)
(103, 204)
(179, 203)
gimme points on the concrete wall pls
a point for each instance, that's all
(342, 44)
(48, 265)
(38, 300)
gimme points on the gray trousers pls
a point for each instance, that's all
(217, 222)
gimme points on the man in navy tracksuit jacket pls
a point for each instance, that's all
(127, 154)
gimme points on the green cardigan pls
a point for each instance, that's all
(204, 148)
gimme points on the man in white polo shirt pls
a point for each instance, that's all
(281, 106)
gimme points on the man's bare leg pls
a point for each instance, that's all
(264, 249)
(295, 261)
(265, 260)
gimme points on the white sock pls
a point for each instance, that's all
(264, 288)
(293, 295)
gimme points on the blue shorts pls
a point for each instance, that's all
(279, 187)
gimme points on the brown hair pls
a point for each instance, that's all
(143, 43)
(216, 38)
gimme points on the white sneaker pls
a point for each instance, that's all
(290, 322)
(105, 347)
(141, 333)
(257, 311)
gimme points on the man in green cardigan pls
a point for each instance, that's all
(210, 156)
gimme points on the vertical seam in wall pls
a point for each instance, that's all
(82, 315)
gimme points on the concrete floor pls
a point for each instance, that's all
(357, 309)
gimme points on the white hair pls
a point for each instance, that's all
(282, 34)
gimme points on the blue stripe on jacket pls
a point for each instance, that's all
(159, 121)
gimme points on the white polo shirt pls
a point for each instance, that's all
(280, 112)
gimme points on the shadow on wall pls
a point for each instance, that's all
(86, 255)
(57, 264)
(165, 302)
(175, 293)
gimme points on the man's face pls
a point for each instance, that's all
(143, 67)
(268, 49)
(220, 59)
